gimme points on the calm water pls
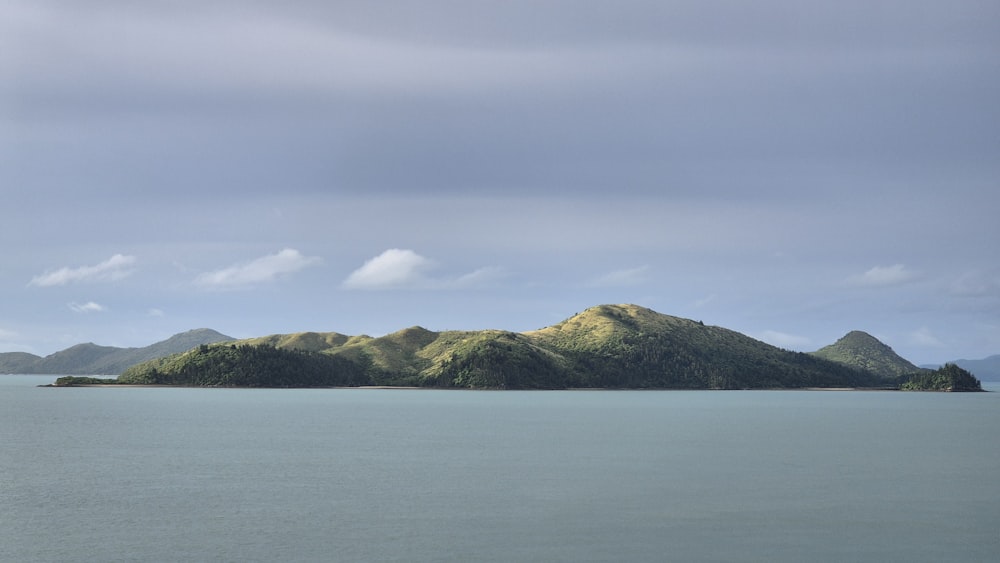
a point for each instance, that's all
(153, 474)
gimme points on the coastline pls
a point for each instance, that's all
(416, 388)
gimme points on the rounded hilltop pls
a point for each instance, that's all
(863, 351)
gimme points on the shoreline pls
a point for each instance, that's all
(415, 388)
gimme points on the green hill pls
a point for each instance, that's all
(609, 346)
(863, 351)
(632, 346)
(245, 365)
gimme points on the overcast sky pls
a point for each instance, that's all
(791, 170)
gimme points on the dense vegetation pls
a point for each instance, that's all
(949, 377)
(246, 365)
(610, 346)
(73, 380)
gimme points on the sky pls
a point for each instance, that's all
(790, 170)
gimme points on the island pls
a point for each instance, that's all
(608, 346)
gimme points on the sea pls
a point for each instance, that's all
(181, 474)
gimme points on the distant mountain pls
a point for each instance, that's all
(986, 369)
(863, 351)
(17, 362)
(81, 359)
(176, 343)
(609, 346)
(91, 359)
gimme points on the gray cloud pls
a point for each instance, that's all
(344, 98)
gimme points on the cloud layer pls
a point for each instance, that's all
(808, 168)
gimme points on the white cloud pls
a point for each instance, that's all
(7, 343)
(112, 269)
(478, 278)
(392, 269)
(704, 301)
(925, 338)
(401, 268)
(976, 284)
(884, 276)
(154, 312)
(262, 270)
(783, 339)
(618, 278)
(88, 307)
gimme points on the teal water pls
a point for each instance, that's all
(159, 474)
